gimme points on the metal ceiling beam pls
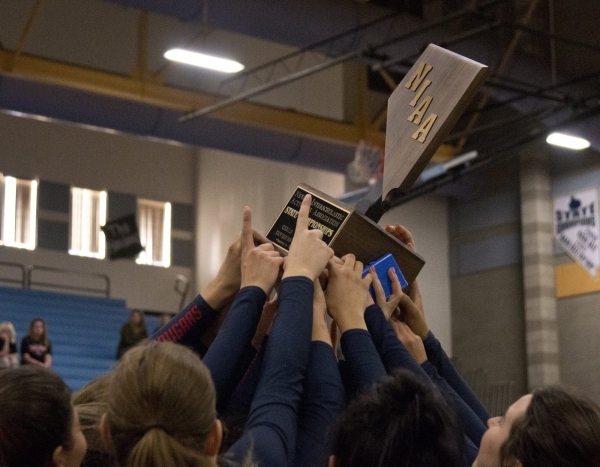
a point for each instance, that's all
(354, 55)
(508, 54)
(149, 92)
(26, 30)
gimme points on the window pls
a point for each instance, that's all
(154, 222)
(88, 213)
(18, 205)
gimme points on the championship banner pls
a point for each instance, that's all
(576, 227)
(122, 237)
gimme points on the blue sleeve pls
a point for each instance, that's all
(188, 326)
(439, 359)
(363, 365)
(472, 425)
(470, 454)
(392, 351)
(226, 353)
(241, 399)
(322, 401)
(270, 433)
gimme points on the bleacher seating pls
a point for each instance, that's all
(84, 330)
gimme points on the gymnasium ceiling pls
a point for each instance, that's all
(99, 63)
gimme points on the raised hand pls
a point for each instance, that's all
(402, 234)
(347, 293)
(220, 290)
(320, 331)
(308, 254)
(413, 315)
(388, 306)
(410, 340)
(259, 264)
(411, 304)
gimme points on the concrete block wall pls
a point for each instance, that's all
(488, 328)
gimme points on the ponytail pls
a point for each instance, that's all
(161, 407)
(156, 448)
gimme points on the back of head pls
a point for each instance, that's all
(90, 404)
(94, 391)
(161, 406)
(559, 429)
(402, 421)
(97, 455)
(36, 416)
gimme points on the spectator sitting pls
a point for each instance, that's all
(164, 319)
(8, 346)
(36, 348)
(132, 332)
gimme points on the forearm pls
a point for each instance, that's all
(226, 352)
(218, 292)
(272, 422)
(320, 332)
(189, 325)
(322, 401)
(392, 351)
(363, 363)
(47, 361)
(29, 359)
(474, 428)
(445, 368)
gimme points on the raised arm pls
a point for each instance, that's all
(347, 295)
(413, 313)
(270, 434)
(323, 395)
(197, 325)
(260, 267)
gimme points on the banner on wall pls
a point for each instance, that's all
(576, 227)
(122, 237)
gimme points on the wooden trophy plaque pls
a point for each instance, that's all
(421, 111)
(345, 230)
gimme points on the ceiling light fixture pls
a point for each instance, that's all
(567, 141)
(204, 61)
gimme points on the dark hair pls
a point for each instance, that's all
(559, 429)
(36, 418)
(402, 421)
(44, 339)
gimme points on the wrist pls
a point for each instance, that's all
(298, 271)
(264, 287)
(346, 321)
(218, 291)
(320, 332)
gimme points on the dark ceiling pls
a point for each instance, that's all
(100, 63)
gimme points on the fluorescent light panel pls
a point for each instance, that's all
(567, 141)
(204, 61)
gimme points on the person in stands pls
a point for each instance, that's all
(132, 332)
(36, 348)
(8, 346)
